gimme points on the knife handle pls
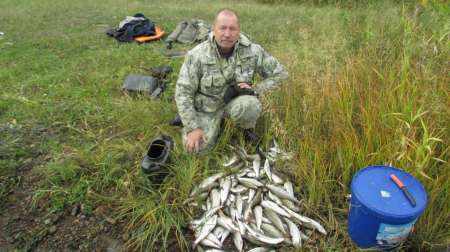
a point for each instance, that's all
(397, 181)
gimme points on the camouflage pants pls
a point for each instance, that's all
(243, 110)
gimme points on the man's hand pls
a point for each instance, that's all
(194, 140)
(244, 85)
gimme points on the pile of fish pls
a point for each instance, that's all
(250, 204)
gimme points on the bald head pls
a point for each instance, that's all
(226, 13)
(226, 29)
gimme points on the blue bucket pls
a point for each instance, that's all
(380, 214)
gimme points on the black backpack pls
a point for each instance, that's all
(130, 30)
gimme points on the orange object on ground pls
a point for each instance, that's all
(159, 33)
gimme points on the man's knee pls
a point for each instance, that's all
(245, 110)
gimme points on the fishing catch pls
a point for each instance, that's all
(253, 207)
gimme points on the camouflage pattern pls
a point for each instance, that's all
(243, 110)
(205, 76)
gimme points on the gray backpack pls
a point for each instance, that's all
(142, 84)
(187, 32)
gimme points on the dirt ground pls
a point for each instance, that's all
(27, 225)
(34, 228)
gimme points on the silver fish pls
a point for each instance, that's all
(289, 188)
(199, 190)
(208, 181)
(209, 225)
(228, 202)
(247, 212)
(205, 217)
(238, 242)
(305, 221)
(231, 197)
(290, 205)
(274, 198)
(251, 194)
(253, 239)
(303, 236)
(279, 153)
(234, 181)
(263, 238)
(267, 169)
(214, 239)
(251, 174)
(265, 220)
(251, 183)
(215, 198)
(232, 161)
(224, 236)
(271, 230)
(272, 153)
(257, 212)
(208, 204)
(239, 189)
(227, 223)
(256, 200)
(241, 226)
(281, 193)
(276, 179)
(218, 231)
(225, 190)
(295, 233)
(256, 165)
(275, 146)
(209, 243)
(233, 213)
(211, 212)
(259, 249)
(275, 219)
(242, 173)
(274, 207)
(242, 152)
(253, 225)
(239, 204)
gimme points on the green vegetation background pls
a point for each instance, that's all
(368, 85)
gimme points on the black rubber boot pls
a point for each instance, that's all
(251, 137)
(176, 121)
(156, 158)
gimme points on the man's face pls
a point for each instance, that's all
(226, 31)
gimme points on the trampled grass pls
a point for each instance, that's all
(368, 85)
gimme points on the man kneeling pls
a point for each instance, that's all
(228, 60)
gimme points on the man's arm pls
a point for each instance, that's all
(272, 72)
(187, 85)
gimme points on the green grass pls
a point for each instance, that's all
(368, 85)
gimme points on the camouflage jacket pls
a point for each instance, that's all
(205, 76)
